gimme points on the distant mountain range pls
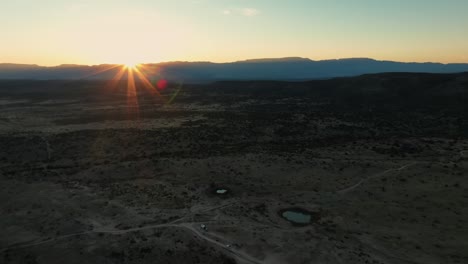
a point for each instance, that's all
(259, 69)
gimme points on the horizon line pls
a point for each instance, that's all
(236, 61)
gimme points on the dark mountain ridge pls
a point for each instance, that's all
(265, 69)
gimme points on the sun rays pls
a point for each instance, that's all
(133, 72)
(136, 81)
(132, 96)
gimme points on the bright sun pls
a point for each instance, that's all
(131, 65)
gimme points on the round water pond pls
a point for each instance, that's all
(298, 216)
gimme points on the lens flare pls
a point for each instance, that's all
(161, 84)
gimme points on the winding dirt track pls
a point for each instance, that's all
(189, 226)
(376, 176)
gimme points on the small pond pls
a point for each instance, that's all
(221, 191)
(298, 216)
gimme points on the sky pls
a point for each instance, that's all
(53, 32)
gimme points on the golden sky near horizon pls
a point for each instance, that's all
(53, 32)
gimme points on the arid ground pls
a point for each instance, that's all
(90, 173)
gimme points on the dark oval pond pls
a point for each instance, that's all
(299, 216)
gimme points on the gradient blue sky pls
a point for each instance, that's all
(51, 32)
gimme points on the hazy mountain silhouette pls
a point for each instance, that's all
(266, 69)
